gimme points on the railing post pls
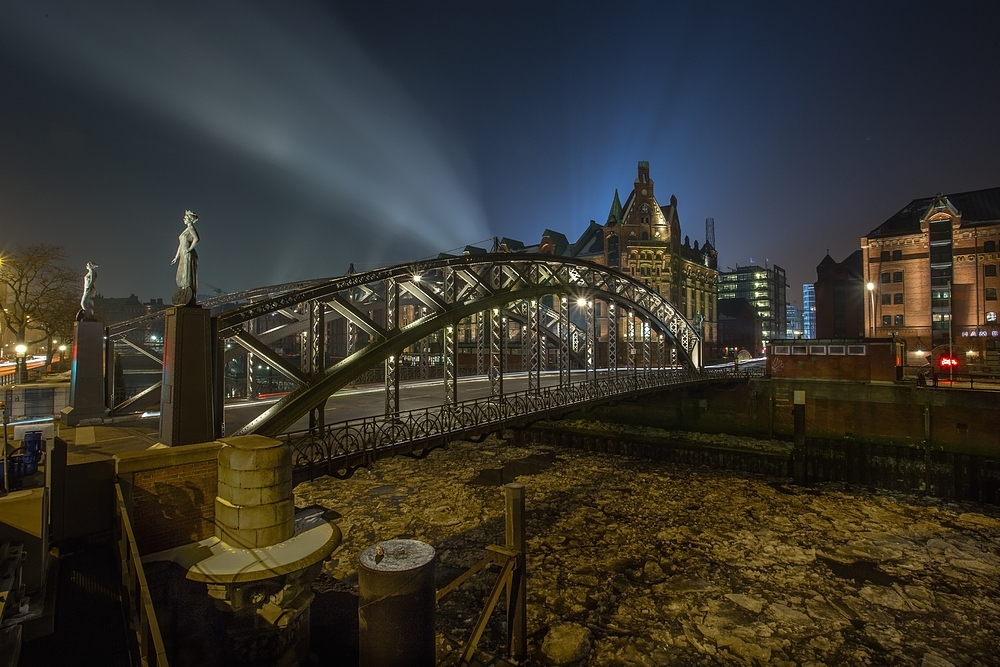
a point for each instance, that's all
(392, 361)
(517, 617)
(533, 363)
(496, 354)
(591, 343)
(613, 339)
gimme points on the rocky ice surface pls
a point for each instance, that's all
(632, 562)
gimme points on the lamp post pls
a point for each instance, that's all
(871, 301)
(20, 349)
(62, 354)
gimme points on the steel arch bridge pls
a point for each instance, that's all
(390, 310)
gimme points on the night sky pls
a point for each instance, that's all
(310, 135)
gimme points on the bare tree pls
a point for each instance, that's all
(37, 294)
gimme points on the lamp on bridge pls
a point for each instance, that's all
(22, 370)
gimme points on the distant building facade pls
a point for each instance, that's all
(840, 297)
(642, 239)
(809, 310)
(793, 321)
(765, 288)
(934, 271)
(739, 328)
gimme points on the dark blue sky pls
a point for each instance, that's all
(310, 135)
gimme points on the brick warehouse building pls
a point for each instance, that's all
(933, 273)
(643, 239)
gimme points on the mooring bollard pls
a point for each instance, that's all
(396, 605)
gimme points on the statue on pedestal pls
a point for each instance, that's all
(87, 300)
(186, 260)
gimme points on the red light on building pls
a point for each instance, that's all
(948, 362)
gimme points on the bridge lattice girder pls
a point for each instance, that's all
(451, 289)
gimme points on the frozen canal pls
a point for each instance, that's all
(632, 562)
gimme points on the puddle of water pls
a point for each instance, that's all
(859, 571)
(530, 465)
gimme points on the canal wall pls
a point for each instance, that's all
(950, 420)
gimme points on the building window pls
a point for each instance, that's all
(884, 257)
(991, 316)
(837, 349)
(990, 270)
(817, 349)
(886, 320)
(897, 254)
(991, 293)
(897, 276)
(990, 246)
(897, 298)
(856, 349)
(886, 298)
(799, 349)
(898, 320)
(886, 278)
(781, 349)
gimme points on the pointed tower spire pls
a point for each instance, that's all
(615, 216)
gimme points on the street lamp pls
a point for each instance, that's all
(871, 300)
(62, 353)
(20, 349)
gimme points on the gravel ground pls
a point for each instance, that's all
(633, 562)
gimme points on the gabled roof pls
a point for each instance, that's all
(512, 244)
(978, 207)
(559, 240)
(590, 243)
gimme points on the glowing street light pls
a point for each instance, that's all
(20, 349)
(871, 299)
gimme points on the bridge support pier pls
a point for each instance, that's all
(86, 389)
(186, 398)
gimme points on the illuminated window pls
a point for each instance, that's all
(897, 298)
(991, 316)
(897, 254)
(990, 270)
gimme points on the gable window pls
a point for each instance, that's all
(897, 298)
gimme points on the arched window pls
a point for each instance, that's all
(613, 260)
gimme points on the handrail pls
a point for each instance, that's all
(141, 612)
(361, 440)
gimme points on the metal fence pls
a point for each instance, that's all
(359, 441)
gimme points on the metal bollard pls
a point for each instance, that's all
(396, 605)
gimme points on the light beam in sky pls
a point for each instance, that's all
(280, 86)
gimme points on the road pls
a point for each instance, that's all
(369, 400)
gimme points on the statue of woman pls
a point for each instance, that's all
(186, 260)
(87, 300)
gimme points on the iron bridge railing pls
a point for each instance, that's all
(356, 442)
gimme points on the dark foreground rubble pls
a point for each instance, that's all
(633, 562)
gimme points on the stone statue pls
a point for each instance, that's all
(87, 300)
(186, 260)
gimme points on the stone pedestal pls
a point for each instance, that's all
(86, 393)
(186, 402)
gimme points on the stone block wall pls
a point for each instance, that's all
(171, 494)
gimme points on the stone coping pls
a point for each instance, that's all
(163, 457)
(213, 561)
